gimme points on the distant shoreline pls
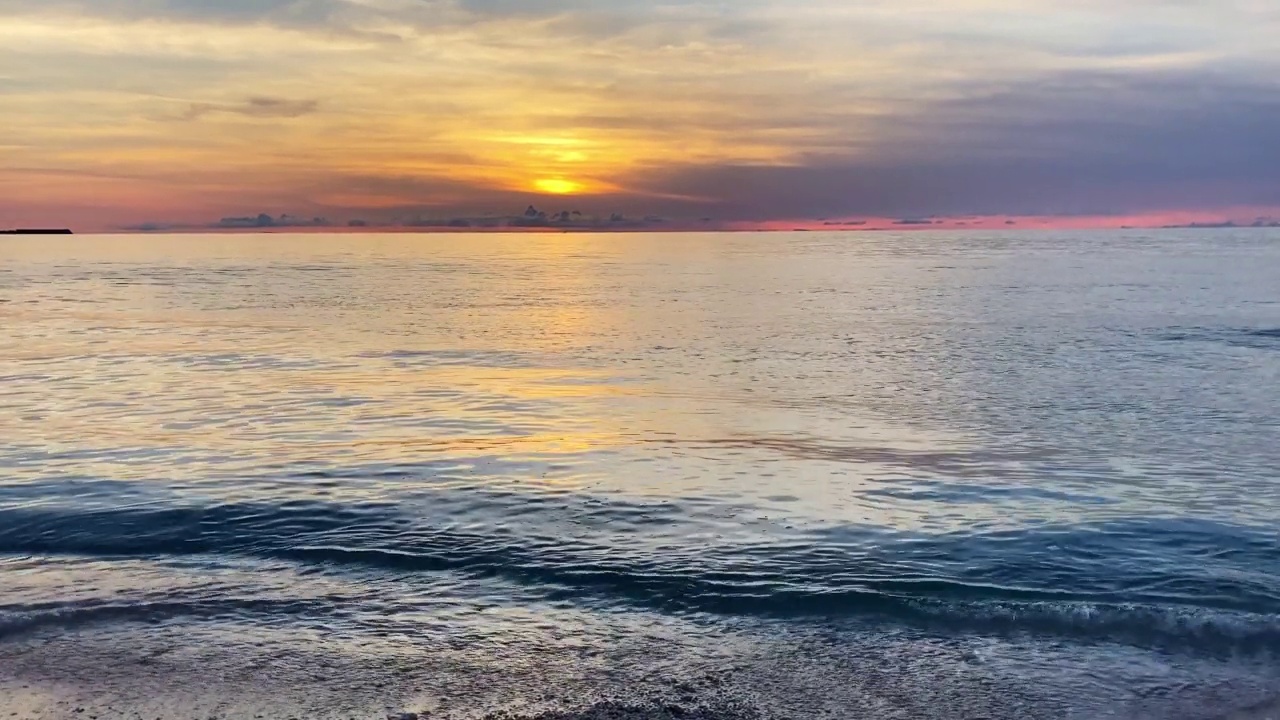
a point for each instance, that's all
(37, 231)
(668, 230)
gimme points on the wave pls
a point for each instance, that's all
(1087, 582)
(1254, 338)
(18, 620)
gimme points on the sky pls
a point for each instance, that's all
(120, 113)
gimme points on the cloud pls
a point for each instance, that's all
(752, 110)
(1077, 144)
(256, 107)
(290, 12)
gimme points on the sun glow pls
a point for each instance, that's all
(557, 186)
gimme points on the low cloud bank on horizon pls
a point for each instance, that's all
(118, 112)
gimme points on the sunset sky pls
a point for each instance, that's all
(122, 112)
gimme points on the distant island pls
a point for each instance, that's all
(37, 231)
(1226, 224)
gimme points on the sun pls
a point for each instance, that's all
(557, 186)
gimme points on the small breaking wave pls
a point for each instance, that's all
(1047, 581)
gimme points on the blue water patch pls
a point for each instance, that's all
(1172, 582)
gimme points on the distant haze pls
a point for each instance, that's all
(180, 113)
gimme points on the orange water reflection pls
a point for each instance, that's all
(661, 365)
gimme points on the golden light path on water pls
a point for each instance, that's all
(319, 362)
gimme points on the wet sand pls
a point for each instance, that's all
(52, 676)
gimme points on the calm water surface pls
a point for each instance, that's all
(926, 475)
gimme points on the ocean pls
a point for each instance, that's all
(937, 475)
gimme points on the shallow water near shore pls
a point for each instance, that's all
(883, 475)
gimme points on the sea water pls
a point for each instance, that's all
(1026, 474)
